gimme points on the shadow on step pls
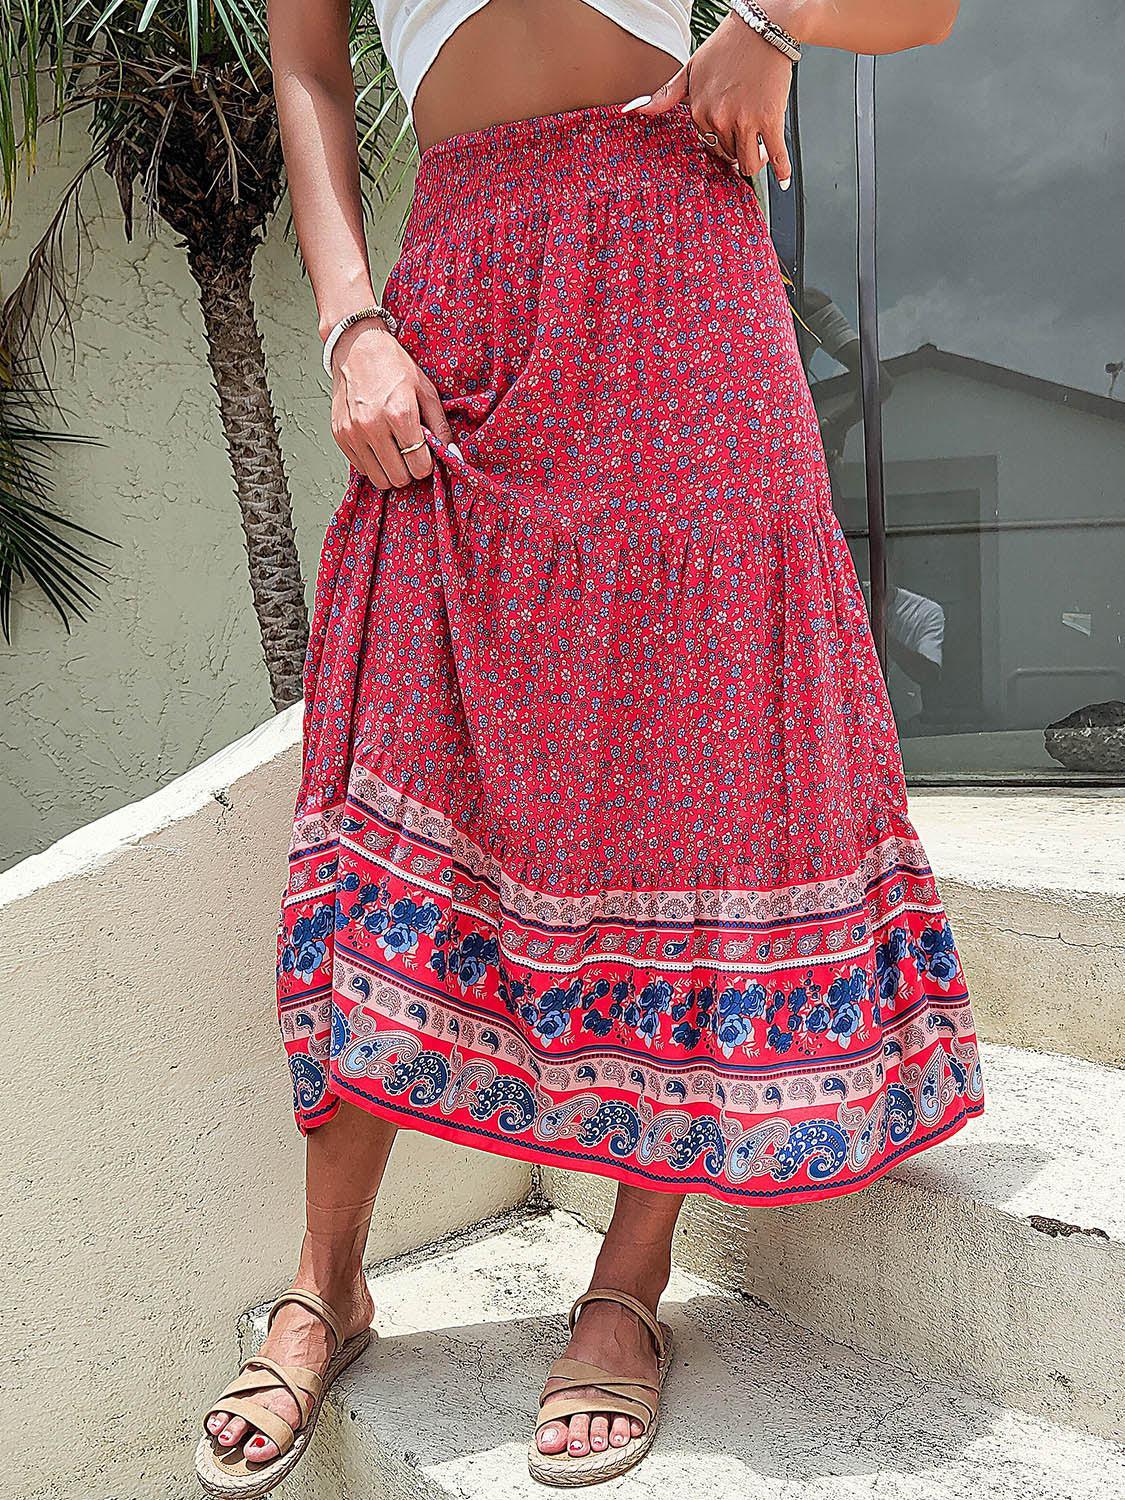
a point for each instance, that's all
(748, 1394)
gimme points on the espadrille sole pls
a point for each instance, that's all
(565, 1472)
(234, 1475)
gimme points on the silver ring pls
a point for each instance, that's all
(710, 137)
(413, 448)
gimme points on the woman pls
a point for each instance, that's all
(602, 856)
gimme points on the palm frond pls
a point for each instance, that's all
(38, 308)
(57, 57)
(705, 16)
(39, 545)
(214, 29)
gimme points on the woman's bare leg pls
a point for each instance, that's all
(344, 1164)
(636, 1257)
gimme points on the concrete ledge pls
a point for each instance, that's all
(88, 849)
(755, 1408)
(1035, 887)
(995, 1260)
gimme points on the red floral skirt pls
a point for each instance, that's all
(602, 856)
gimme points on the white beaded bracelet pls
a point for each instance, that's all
(757, 20)
(389, 321)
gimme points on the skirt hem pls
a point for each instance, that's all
(406, 1118)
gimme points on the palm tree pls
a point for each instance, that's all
(176, 95)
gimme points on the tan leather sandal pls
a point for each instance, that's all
(622, 1397)
(229, 1471)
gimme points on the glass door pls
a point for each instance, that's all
(1000, 163)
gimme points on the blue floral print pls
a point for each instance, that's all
(936, 955)
(306, 949)
(407, 920)
(470, 960)
(737, 1011)
(888, 975)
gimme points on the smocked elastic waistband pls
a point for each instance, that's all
(531, 161)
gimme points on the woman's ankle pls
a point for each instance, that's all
(333, 1269)
(645, 1282)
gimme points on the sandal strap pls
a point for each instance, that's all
(555, 1408)
(296, 1379)
(262, 1374)
(629, 1397)
(623, 1299)
(576, 1372)
(314, 1304)
(276, 1428)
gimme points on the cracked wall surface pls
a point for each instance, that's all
(167, 668)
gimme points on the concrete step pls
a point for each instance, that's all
(995, 1261)
(755, 1407)
(1035, 886)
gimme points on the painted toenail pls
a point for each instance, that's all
(549, 1435)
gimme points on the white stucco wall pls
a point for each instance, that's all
(150, 1169)
(168, 666)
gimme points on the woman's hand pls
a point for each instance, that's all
(737, 87)
(381, 404)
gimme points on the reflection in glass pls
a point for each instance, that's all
(1002, 324)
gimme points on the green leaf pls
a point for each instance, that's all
(39, 545)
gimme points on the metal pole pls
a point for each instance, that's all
(869, 348)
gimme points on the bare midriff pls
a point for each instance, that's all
(515, 59)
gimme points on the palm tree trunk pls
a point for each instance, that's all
(238, 364)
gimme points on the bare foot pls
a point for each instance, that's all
(608, 1335)
(296, 1337)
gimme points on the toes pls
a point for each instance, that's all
(216, 1422)
(578, 1442)
(233, 1432)
(619, 1432)
(635, 1427)
(259, 1449)
(599, 1433)
(551, 1438)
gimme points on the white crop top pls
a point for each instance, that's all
(413, 32)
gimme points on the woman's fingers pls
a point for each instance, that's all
(411, 443)
(751, 150)
(774, 136)
(367, 462)
(347, 443)
(385, 447)
(665, 98)
(419, 461)
(352, 443)
(433, 415)
(717, 135)
(387, 440)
